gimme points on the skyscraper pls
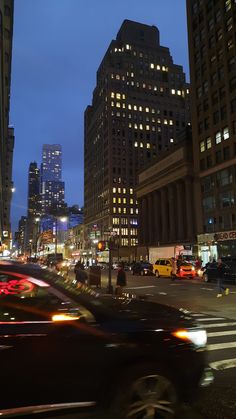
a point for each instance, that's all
(52, 187)
(139, 104)
(33, 190)
(6, 133)
(212, 51)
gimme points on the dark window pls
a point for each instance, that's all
(226, 153)
(218, 156)
(209, 161)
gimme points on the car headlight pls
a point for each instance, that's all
(197, 337)
(193, 268)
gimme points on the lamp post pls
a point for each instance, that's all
(63, 220)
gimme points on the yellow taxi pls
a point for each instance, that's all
(163, 267)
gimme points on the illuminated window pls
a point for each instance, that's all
(136, 144)
(127, 46)
(112, 103)
(131, 201)
(124, 200)
(129, 106)
(131, 210)
(179, 92)
(152, 65)
(155, 88)
(135, 126)
(148, 145)
(117, 77)
(147, 109)
(132, 74)
(118, 95)
(218, 137)
(114, 210)
(158, 67)
(124, 210)
(165, 121)
(140, 108)
(123, 96)
(141, 145)
(208, 143)
(170, 122)
(118, 104)
(136, 210)
(131, 191)
(130, 125)
(115, 220)
(112, 94)
(171, 140)
(114, 200)
(147, 127)
(202, 146)
(135, 108)
(141, 126)
(124, 190)
(123, 105)
(119, 200)
(119, 210)
(226, 133)
(119, 190)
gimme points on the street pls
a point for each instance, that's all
(218, 316)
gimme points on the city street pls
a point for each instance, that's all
(218, 316)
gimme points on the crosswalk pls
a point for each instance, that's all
(221, 340)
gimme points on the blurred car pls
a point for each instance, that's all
(142, 268)
(185, 270)
(163, 267)
(65, 345)
(210, 271)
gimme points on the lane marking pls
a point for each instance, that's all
(208, 289)
(139, 288)
(197, 315)
(224, 333)
(218, 346)
(206, 319)
(224, 364)
(162, 293)
(208, 326)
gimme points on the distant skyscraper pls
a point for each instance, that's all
(139, 105)
(52, 188)
(51, 162)
(33, 190)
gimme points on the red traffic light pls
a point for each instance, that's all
(101, 246)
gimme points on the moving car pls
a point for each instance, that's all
(185, 270)
(65, 345)
(210, 271)
(163, 267)
(142, 268)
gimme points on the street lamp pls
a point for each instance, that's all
(63, 220)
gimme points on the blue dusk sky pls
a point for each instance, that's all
(57, 48)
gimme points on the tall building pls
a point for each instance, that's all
(139, 105)
(6, 133)
(52, 187)
(33, 190)
(212, 52)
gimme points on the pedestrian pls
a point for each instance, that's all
(80, 274)
(220, 278)
(173, 269)
(120, 280)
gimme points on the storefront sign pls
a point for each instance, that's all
(226, 235)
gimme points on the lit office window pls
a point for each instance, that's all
(114, 200)
(152, 65)
(114, 210)
(218, 137)
(147, 109)
(131, 191)
(158, 67)
(202, 146)
(208, 143)
(226, 133)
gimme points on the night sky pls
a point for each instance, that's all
(57, 48)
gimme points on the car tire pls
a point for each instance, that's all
(142, 391)
(205, 278)
(157, 274)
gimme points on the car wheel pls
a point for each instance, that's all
(157, 274)
(148, 394)
(205, 278)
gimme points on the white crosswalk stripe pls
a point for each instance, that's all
(221, 340)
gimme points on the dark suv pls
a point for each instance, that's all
(142, 268)
(210, 272)
(65, 346)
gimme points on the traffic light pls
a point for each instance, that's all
(101, 246)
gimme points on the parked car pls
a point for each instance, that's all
(142, 268)
(65, 345)
(210, 271)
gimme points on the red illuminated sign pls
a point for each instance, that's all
(16, 287)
